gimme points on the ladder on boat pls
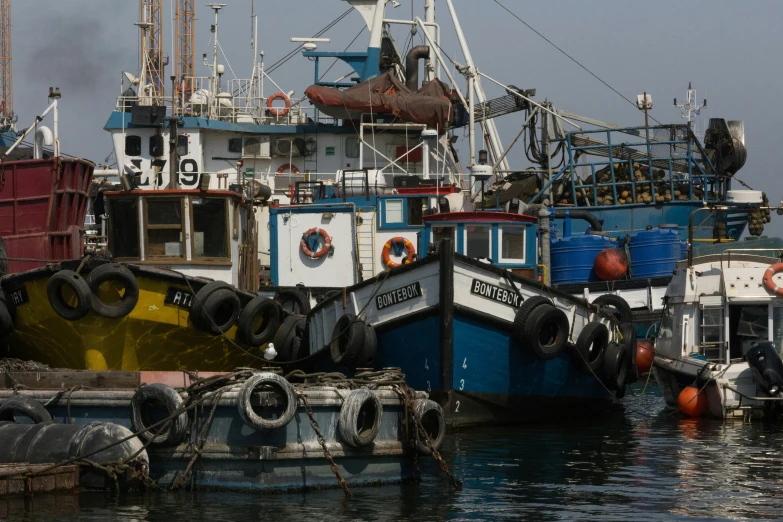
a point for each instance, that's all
(365, 242)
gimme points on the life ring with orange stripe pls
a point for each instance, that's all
(309, 243)
(399, 243)
(288, 167)
(274, 111)
(769, 283)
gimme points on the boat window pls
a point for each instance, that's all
(164, 228)
(156, 145)
(124, 228)
(133, 145)
(511, 240)
(393, 211)
(747, 324)
(210, 233)
(441, 233)
(235, 145)
(478, 241)
(711, 333)
(416, 208)
(777, 328)
(182, 145)
(351, 147)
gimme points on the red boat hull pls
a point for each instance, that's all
(42, 207)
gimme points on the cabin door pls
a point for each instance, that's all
(748, 323)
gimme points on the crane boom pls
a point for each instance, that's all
(184, 58)
(6, 76)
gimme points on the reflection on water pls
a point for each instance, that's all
(645, 465)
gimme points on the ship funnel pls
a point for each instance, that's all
(412, 65)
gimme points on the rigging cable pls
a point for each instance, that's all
(570, 57)
(346, 48)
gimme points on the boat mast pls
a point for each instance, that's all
(431, 64)
(215, 80)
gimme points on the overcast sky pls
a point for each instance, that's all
(730, 50)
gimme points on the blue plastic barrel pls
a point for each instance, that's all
(654, 253)
(572, 258)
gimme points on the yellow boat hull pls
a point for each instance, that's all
(154, 336)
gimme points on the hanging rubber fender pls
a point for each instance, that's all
(370, 348)
(290, 168)
(151, 404)
(622, 308)
(398, 243)
(360, 417)
(293, 300)
(615, 366)
(118, 275)
(546, 332)
(219, 313)
(309, 243)
(520, 318)
(6, 322)
(274, 111)
(431, 416)
(347, 341)
(590, 347)
(200, 299)
(259, 321)
(80, 289)
(292, 327)
(27, 406)
(628, 333)
(266, 381)
(769, 283)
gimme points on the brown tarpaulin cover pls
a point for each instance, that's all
(430, 105)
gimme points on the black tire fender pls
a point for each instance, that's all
(219, 313)
(118, 274)
(268, 311)
(628, 332)
(520, 319)
(347, 341)
(153, 396)
(370, 348)
(591, 346)
(285, 335)
(80, 288)
(615, 366)
(546, 332)
(431, 416)
(201, 298)
(294, 301)
(266, 381)
(623, 309)
(27, 406)
(360, 417)
(6, 323)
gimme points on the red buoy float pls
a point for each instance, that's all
(645, 353)
(692, 401)
(611, 264)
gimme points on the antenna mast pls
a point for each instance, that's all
(151, 24)
(6, 78)
(184, 57)
(691, 106)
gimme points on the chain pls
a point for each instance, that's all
(322, 442)
(406, 394)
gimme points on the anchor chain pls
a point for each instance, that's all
(322, 442)
(406, 395)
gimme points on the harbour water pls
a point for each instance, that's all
(639, 463)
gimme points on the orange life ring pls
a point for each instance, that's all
(273, 111)
(307, 242)
(395, 241)
(288, 167)
(769, 283)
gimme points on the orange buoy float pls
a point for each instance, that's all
(274, 111)
(611, 264)
(645, 353)
(769, 284)
(288, 168)
(398, 243)
(310, 240)
(692, 401)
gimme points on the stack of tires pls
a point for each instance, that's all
(353, 343)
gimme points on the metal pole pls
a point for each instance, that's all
(435, 48)
(521, 130)
(56, 118)
(472, 124)
(173, 160)
(431, 64)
